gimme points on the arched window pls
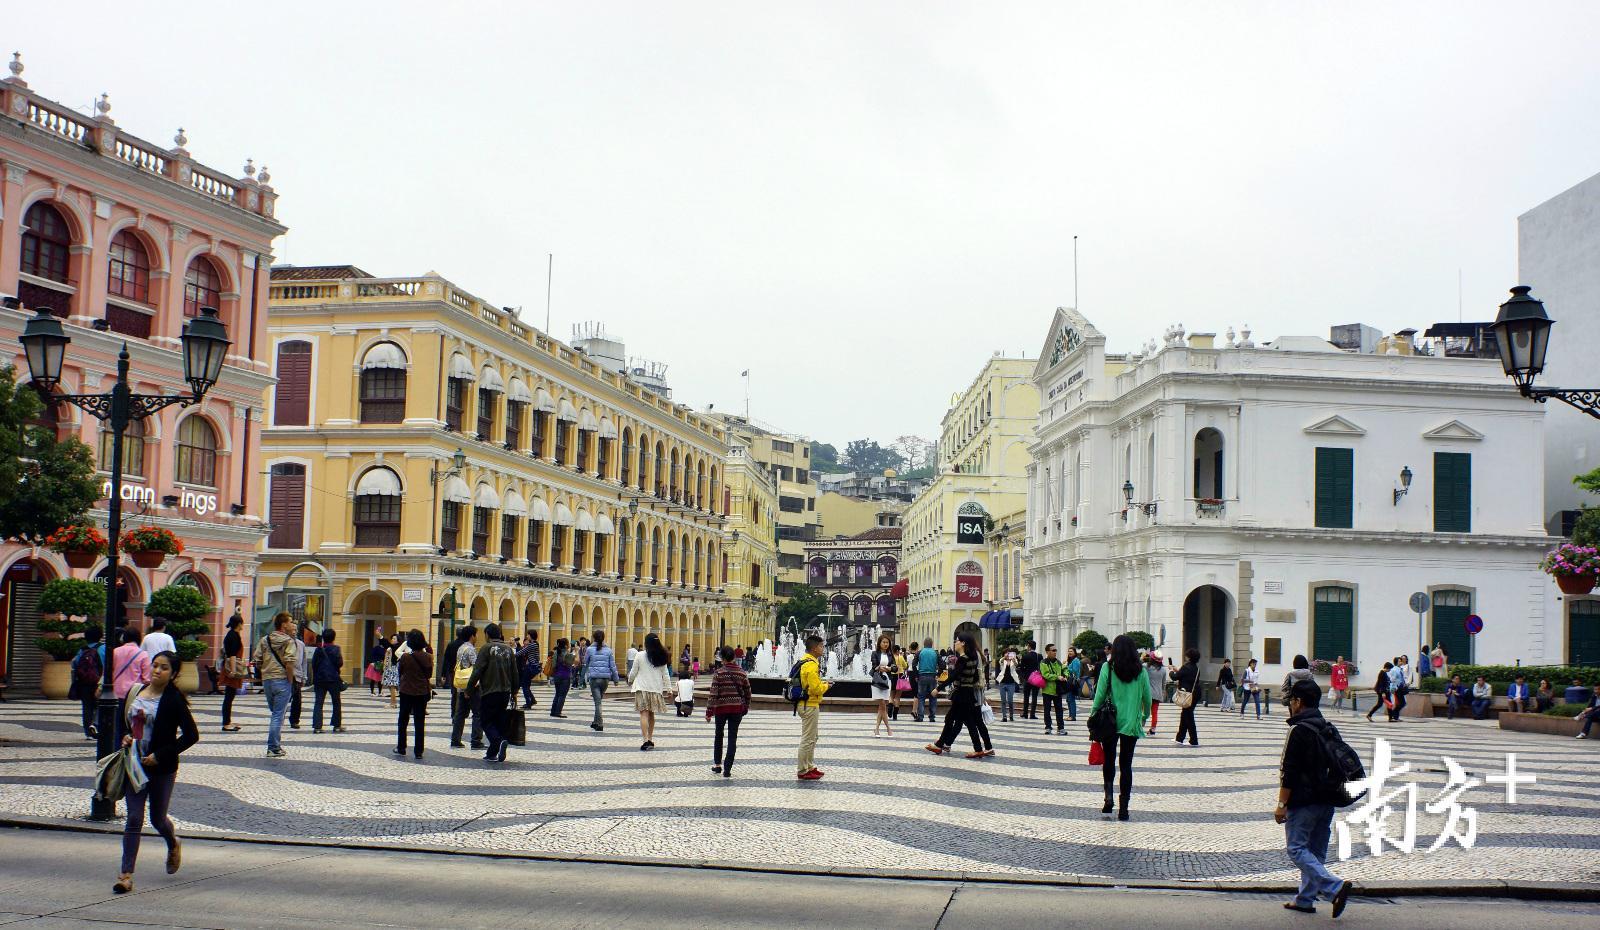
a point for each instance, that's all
(128, 270)
(47, 244)
(644, 459)
(132, 449)
(697, 555)
(622, 547)
(197, 452)
(627, 454)
(202, 286)
(661, 483)
(291, 401)
(672, 557)
(286, 510)
(638, 553)
(1208, 482)
(383, 384)
(377, 512)
(655, 555)
(675, 473)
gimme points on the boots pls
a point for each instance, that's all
(1107, 807)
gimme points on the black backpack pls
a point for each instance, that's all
(1340, 765)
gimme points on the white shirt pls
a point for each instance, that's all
(685, 689)
(156, 643)
(632, 654)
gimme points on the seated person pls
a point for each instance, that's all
(1591, 714)
(1482, 697)
(1545, 697)
(1456, 696)
(1517, 694)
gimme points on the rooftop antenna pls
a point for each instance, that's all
(550, 269)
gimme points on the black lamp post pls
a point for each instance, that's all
(1522, 331)
(44, 340)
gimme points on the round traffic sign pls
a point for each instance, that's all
(1420, 603)
(1474, 624)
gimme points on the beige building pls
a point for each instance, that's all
(857, 575)
(787, 458)
(752, 543)
(432, 459)
(838, 515)
(983, 465)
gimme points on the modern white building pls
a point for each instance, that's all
(1282, 499)
(1558, 255)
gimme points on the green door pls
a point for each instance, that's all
(1333, 623)
(1583, 633)
(1334, 494)
(1450, 611)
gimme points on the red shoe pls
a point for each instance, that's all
(935, 748)
(812, 775)
(816, 771)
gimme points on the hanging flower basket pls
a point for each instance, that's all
(1575, 568)
(149, 546)
(79, 543)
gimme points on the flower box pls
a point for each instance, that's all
(1575, 568)
(79, 543)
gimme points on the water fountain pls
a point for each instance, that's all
(845, 660)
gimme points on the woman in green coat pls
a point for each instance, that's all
(1129, 689)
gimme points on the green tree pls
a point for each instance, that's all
(1090, 641)
(185, 609)
(1012, 639)
(69, 597)
(825, 458)
(1143, 640)
(1586, 530)
(1589, 480)
(865, 456)
(805, 604)
(45, 482)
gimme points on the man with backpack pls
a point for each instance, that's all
(1317, 765)
(806, 689)
(88, 667)
(927, 681)
(493, 680)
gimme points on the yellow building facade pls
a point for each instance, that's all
(432, 460)
(752, 542)
(787, 458)
(982, 463)
(838, 515)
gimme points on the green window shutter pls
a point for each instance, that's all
(1583, 633)
(1452, 492)
(1334, 621)
(1335, 498)
(1450, 611)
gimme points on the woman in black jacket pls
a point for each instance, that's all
(158, 720)
(966, 702)
(1189, 680)
(232, 648)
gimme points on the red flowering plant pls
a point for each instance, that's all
(1572, 561)
(150, 539)
(77, 537)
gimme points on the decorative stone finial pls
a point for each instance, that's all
(1245, 342)
(1231, 337)
(250, 168)
(16, 66)
(265, 176)
(180, 140)
(102, 107)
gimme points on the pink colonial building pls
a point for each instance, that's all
(125, 240)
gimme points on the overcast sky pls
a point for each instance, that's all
(861, 202)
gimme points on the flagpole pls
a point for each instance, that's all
(747, 395)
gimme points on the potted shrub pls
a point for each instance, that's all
(1575, 568)
(62, 600)
(149, 546)
(79, 543)
(185, 610)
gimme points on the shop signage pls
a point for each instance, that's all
(969, 583)
(201, 504)
(524, 581)
(969, 524)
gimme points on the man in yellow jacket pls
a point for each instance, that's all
(810, 706)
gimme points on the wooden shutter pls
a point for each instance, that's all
(292, 399)
(1334, 621)
(287, 509)
(1583, 632)
(1450, 610)
(1452, 492)
(1334, 492)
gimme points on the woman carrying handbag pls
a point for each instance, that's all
(1184, 697)
(159, 726)
(1124, 687)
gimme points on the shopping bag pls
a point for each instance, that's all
(986, 713)
(517, 727)
(372, 673)
(1097, 753)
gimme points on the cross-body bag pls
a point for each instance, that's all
(279, 656)
(1183, 698)
(131, 659)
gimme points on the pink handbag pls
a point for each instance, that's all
(1036, 679)
(902, 684)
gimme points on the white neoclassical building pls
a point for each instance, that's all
(1269, 500)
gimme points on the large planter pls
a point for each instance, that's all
(189, 678)
(148, 558)
(1575, 584)
(80, 558)
(1540, 723)
(55, 679)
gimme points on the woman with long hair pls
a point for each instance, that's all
(391, 669)
(883, 674)
(1124, 682)
(1189, 680)
(650, 680)
(560, 676)
(966, 701)
(155, 718)
(232, 648)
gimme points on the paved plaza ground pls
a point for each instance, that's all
(886, 806)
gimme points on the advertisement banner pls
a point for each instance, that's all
(969, 589)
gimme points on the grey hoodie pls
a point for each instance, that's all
(1295, 674)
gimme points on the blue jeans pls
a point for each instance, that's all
(559, 702)
(1244, 702)
(1008, 699)
(1072, 703)
(279, 692)
(1480, 706)
(1307, 829)
(597, 689)
(927, 698)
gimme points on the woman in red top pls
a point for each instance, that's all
(1340, 685)
(728, 702)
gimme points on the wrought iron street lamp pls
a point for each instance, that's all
(44, 341)
(1523, 332)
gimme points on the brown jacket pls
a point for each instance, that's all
(274, 656)
(416, 673)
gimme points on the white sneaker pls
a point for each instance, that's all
(1581, 736)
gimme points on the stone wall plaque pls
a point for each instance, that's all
(1280, 614)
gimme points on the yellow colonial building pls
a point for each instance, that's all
(787, 458)
(752, 542)
(433, 460)
(982, 474)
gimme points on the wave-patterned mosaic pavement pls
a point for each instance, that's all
(1198, 814)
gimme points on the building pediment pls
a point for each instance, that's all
(1335, 426)
(1069, 333)
(1455, 429)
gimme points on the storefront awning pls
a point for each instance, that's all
(514, 505)
(490, 380)
(517, 392)
(460, 368)
(456, 491)
(602, 526)
(539, 510)
(486, 498)
(383, 355)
